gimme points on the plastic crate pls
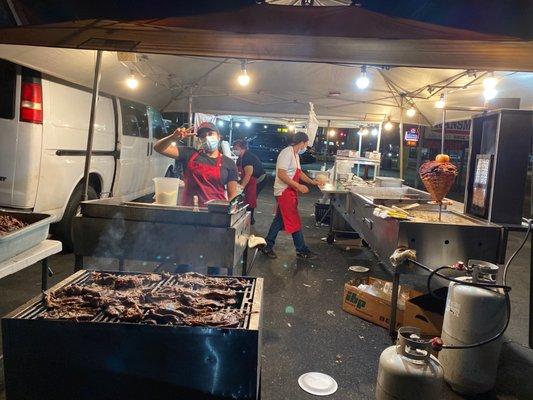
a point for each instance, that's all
(322, 214)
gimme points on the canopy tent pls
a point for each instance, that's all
(279, 90)
(268, 32)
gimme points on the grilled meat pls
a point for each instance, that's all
(191, 299)
(9, 224)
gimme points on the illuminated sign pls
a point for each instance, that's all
(411, 135)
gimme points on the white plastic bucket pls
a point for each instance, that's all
(166, 191)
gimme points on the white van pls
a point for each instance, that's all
(43, 136)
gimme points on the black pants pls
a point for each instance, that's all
(260, 186)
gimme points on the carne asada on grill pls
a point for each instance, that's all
(190, 299)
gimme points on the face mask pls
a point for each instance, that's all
(210, 144)
(301, 151)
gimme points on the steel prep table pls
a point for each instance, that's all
(180, 235)
(39, 253)
(436, 243)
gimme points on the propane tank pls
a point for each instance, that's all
(408, 371)
(473, 315)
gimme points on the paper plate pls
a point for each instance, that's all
(358, 268)
(318, 383)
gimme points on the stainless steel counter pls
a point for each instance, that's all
(457, 237)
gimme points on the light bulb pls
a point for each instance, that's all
(220, 123)
(441, 102)
(363, 132)
(132, 82)
(265, 126)
(247, 124)
(411, 112)
(237, 124)
(388, 126)
(490, 82)
(490, 93)
(331, 133)
(362, 81)
(291, 127)
(243, 79)
(374, 132)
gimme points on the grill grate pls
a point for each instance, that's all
(244, 300)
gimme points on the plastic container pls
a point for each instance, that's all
(166, 191)
(23, 239)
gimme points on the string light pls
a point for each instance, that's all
(132, 82)
(362, 81)
(411, 111)
(237, 124)
(243, 79)
(489, 84)
(441, 102)
(388, 125)
(247, 124)
(220, 123)
(363, 131)
(331, 133)
(374, 132)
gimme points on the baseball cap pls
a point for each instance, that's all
(205, 127)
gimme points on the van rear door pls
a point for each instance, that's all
(8, 130)
(21, 118)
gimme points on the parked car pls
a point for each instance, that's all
(268, 146)
(44, 123)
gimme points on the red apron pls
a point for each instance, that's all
(288, 206)
(250, 191)
(203, 180)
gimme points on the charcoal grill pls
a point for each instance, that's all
(106, 358)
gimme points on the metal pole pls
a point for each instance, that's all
(92, 117)
(442, 131)
(401, 137)
(378, 146)
(327, 140)
(190, 139)
(360, 150)
(231, 131)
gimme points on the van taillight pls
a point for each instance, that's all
(31, 103)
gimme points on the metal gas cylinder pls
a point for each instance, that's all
(472, 315)
(408, 371)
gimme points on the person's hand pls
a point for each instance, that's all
(182, 133)
(318, 183)
(302, 189)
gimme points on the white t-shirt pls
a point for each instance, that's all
(288, 161)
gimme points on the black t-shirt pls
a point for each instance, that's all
(250, 158)
(228, 169)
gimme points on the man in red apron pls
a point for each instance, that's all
(286, 188)
(251, 172)
(207, 171)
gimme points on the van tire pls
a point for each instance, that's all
(63, 229)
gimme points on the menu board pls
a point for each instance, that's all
(481, 187)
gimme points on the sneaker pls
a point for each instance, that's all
(307, 255)
(269, 252)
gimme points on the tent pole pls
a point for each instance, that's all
(92, 117)
(401, 137)
(360, 149)
(230, 131)
(190, 139)
(378, 148)
(327, 141)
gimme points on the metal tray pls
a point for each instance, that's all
(23, 239)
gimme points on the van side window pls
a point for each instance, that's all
(8, 77)
(134, 119)
(159, 129)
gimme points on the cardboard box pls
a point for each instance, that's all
(426, 313)
(371, 308)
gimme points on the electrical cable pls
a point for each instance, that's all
(431, 275)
